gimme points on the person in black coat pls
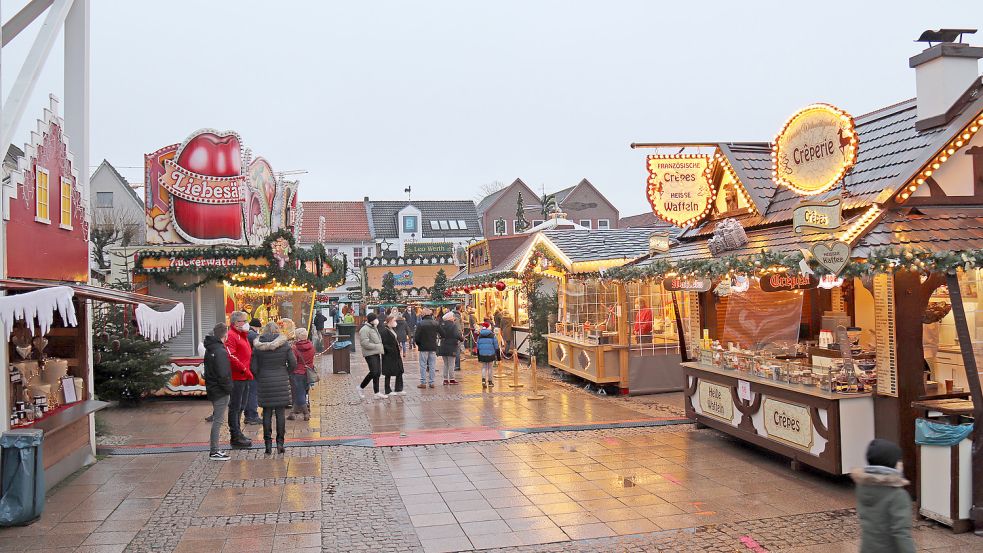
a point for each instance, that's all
(401, 330)
(450, 345)
(426, 336)
(218, 385)
(392, 359)
(273, 361)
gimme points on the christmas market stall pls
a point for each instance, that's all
(47, 308)
(833, 276)
(220, 234)
(495, 289)
(407, 279)
(586, 334)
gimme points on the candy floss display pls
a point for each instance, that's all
(44, 317)
(220, 229)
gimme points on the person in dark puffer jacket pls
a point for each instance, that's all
(274, 362)
(218, 385)
(488, 353)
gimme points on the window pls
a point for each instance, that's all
(585, 223)
(462, 224)
(453, 224)
(515, 226)
(409, 223)
(537, 222)
(104, 199)
(501, 228)
(368, 252)
(434, 225)
(332, 251)
(603, 224)
(41, 196)
(357, 257)
(444, 225)
(66, 204)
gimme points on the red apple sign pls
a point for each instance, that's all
(212, 154)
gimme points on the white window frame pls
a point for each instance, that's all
(537, 222)
(495, 228)
(434, 224)
(588, 225)
(63, 224)
(607, 224)
(444, 225)
(462, 224)
(38, 170)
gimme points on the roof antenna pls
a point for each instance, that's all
(408, 190)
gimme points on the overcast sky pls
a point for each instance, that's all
(371, 97)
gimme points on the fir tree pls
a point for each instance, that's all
(549, 206)
(388, 293)
(439, 290)
(128, 367)
(521, 223)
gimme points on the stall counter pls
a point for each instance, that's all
(826, 430)
(598, 363)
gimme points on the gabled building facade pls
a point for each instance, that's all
(405, 228)
(343, 228)
(582, 203)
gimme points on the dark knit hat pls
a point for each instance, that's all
(371, 317)
(255, 323)
(884, 453)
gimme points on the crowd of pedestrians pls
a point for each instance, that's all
(255, 373)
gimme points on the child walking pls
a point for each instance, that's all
(488, 353)
(883, 505)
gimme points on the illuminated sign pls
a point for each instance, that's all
(658, 242)
(814, 149)
(679, 189)
(177, 263)
(479, 257)
(680, 284)
(821, 215)
(784, 282)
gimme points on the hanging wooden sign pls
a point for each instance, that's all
(784, 282)
(832, 255)
(814, 149)
(822, 215)
(680, 284)
(678, 188)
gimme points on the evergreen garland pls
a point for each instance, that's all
(295, 271)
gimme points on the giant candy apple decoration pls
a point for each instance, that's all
(210, 154)
(189, 377)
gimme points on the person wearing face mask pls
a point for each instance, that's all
(370, 341)
(240, 357)
(392, 358)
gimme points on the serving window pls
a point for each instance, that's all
(590, 311)
(652, 325)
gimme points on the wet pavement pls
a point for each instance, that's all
(666, 488)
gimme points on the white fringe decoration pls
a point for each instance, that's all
(160, 326)
(39, 305)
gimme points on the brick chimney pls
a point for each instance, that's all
(943, 73)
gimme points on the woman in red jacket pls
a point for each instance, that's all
(304, 352)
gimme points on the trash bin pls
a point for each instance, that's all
(21, 477)
(346, 332)
(341, 355)
(945, 475)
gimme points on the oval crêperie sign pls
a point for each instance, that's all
(814, 149)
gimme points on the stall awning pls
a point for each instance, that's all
(86, 291)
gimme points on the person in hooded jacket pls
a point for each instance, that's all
(426, 338)
(274, 362)
(218, 385)
(488, 353)
(392, 359)
(370, 342)
(304, 352)
(883, 504)
(450, 345)
(401, 331)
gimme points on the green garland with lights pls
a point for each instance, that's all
(882, 260)
(294, 270)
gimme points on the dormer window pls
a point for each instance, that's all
(434, 225)
(410, 224)
(41, 202)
